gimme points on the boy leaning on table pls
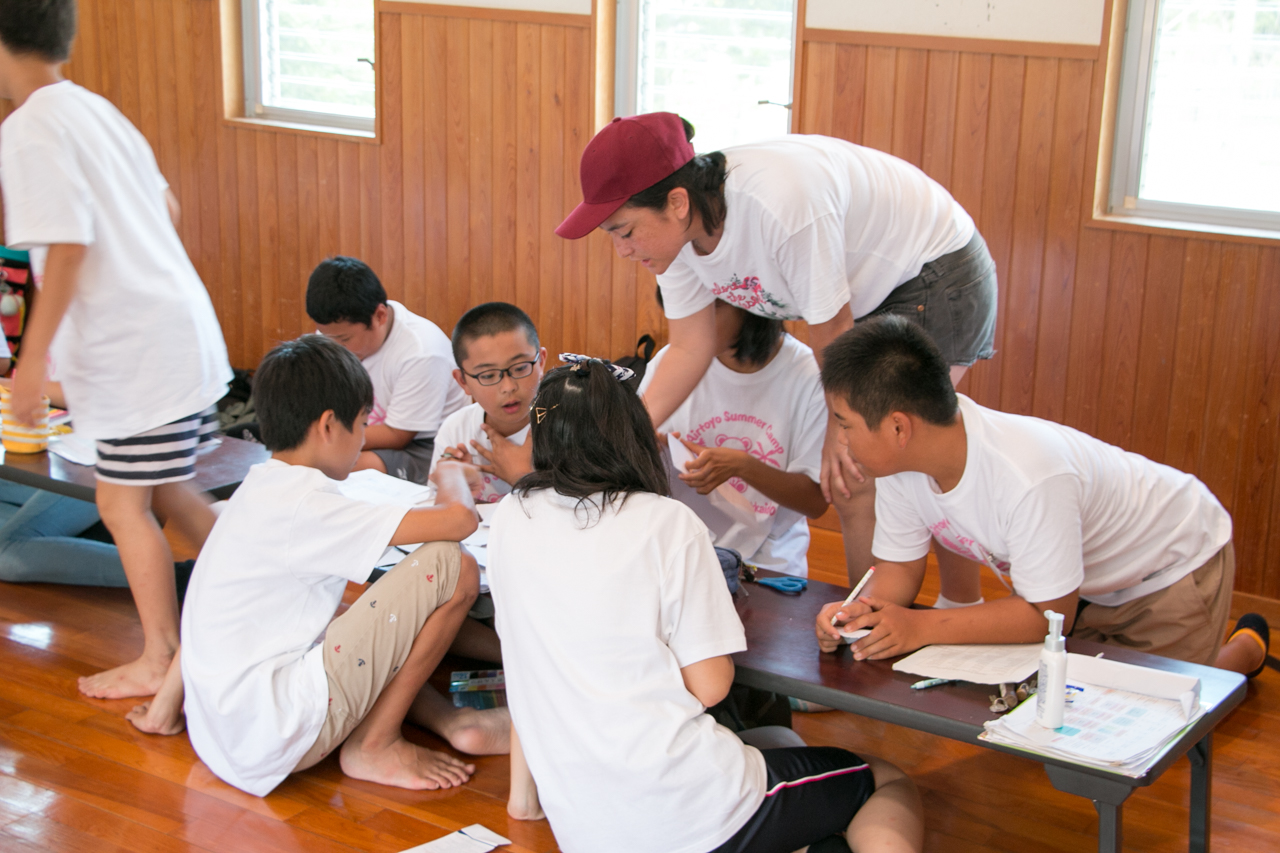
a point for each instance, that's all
(1135, 553)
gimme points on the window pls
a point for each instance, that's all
(725, 65)
(1198, 117)
(310, 62)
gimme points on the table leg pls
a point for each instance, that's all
(1108, 798)
(1201, 756)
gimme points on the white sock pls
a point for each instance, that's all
(944, 603)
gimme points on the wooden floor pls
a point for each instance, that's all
(74, 776)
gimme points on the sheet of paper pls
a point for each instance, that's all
(73, 448)
(1002, 664)
(854, 635)
(727, 513)
(469, 839)
(376, 487)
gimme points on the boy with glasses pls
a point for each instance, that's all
(406, 356)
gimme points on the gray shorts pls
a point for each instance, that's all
(954, 299)
(411, 462)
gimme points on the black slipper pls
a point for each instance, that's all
(1258, 627)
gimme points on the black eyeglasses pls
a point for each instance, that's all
(519, 370)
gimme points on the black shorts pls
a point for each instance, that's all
(812, 793)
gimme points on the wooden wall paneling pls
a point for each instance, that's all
(370, 208)
(505, 162)
(850, 92)
(1031, 213)
(413, 130)
(437, 142)
(390, 158)
(551, 179)
(1161, 289)
(203, 164)
(816, 98)
(458, 111)
(1225, 404)
(1120, 339)
(576, 290)
(291, 280)
(973, 101)
(246, 214)
(480, 179)
(528, 202)
(128, 46)
(1197, 308)
(328, 179)
(1254, 500)
(994, 217)
(910, 89)
(877, 122)
(1062, 231)
(148, 119)
(938, 142)
(310, 204)
(180, 102)
(264, 173)
(1088, 324)
(166, 94)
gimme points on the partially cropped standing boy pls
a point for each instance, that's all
(407, 357)
(1135, 553)
(122, 316)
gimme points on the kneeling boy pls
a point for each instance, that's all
(264, 698)
(1136, 554)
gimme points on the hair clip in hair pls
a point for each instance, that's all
(620, 373)
(539, 413)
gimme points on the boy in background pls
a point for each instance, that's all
(407, 358)
(264, 697)
(122, 315)
(1134, 553)
(500, 364)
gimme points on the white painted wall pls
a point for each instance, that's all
(572, 7)
(1063, 21)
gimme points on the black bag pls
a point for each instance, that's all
(639, 361)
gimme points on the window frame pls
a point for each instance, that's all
(254, 109)
(1132, 103)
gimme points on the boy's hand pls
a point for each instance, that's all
(26, 403)
(457, 453)
(895, 630)
(712, 467)
(828, 637)
(507, 460)
(448, 467)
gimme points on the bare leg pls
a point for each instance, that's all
(369, 460)
(892, 819)
(163, 714)
(961, 578)
(477, 640)
(1243, 654)
(148, 564)
(522, 802)
(376, 751)
(187, 509)
(857, 524)
(468, 730)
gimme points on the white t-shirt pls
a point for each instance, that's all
(140, 345)
(412, 373)
(1054, 510)
(776, 414)
(266, 585)
(596, 621)
(813, 223)
(460, 428)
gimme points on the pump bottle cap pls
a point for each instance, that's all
(1054, 641)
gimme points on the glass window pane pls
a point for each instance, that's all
(712, 61)
(311, 56)
(1213, 115)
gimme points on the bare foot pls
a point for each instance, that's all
(141, 677)
(468, 730)
(403, 765)
(149, 717)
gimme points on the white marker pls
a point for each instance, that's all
(853, 596)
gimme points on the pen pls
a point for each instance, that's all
(932, 682)
(854, 595)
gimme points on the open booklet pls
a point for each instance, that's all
(1118, 717)
(996, 664)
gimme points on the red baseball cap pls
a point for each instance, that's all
(625, 157)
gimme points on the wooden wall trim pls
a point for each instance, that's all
(520, 16)
(1001, 47)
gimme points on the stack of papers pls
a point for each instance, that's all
(1002, 664)
(1119, 717)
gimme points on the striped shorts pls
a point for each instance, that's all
(166, 454)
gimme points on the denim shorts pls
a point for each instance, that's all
(954, 299)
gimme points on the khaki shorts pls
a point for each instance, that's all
(1186, 621)
(366, 646)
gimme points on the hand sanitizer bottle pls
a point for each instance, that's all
(1051, 695)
